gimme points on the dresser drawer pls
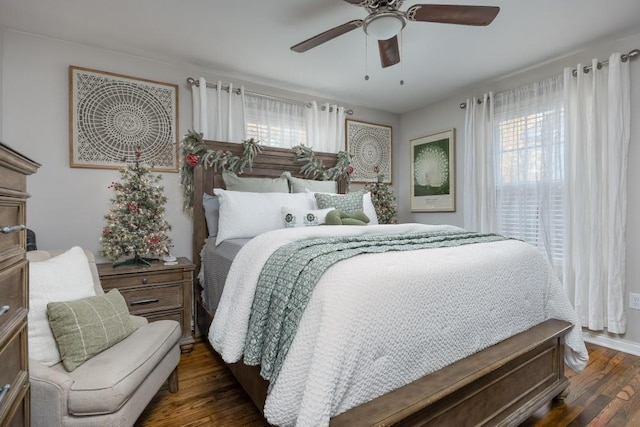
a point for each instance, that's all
(21, 412)
(11, 216)
(12, 180)
(13, 297)
(13, 375)
(142, 300)
(147, 278)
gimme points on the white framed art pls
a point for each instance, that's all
(370, 146)
(111, 116)
(433, 172)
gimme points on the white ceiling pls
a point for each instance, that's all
(250, 39)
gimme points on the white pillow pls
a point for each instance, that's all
(245, 215)
(66, 277)
(295, 217)
(368, 209)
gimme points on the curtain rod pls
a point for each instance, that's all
(191, 81)
(585, 69)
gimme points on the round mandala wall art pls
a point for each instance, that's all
(113, 116)
(370, 148)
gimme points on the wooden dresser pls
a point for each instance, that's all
(14, 289)
(156, 292)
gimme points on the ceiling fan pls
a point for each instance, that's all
(385, 21)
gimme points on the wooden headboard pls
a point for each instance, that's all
(270, 163)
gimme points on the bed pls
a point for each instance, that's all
(501, 384)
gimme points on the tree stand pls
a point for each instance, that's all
(136, 260)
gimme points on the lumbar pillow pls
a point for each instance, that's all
(255, 185)
(347, 203)
(294, 217)
(85, 327)
(62, 278)
(299, 185)
(244, 215)
(337, 217)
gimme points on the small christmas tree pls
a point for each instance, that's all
(383, 200)
(136, 225)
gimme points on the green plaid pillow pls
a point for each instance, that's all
(347, 203)
(88, 326)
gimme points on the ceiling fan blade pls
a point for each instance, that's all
(357, 2)
(389, 52)
(326, 36)
(452, 14)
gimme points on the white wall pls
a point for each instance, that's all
(68, 205)
(446, 114)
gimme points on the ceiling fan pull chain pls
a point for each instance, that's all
(401, 62)
(366, 57)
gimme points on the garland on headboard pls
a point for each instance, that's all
(195, 152)
(314, 169)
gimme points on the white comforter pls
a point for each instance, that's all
(378, 321)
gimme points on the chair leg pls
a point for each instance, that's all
(173, 381)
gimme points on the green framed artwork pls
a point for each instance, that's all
(433, 173)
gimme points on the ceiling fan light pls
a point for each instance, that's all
(383, 26)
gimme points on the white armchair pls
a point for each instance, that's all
(113, 387)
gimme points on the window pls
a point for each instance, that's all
(529, 134)
(275, 122)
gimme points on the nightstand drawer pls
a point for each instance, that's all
(142, 300)
(13, 299)
(147, 278)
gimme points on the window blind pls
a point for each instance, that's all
(529, 179)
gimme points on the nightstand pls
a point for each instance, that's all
(156, 292)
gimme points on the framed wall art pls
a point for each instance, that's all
(113, 115)
(370, 147)
(433, 173)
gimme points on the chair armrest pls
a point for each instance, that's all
(138, 321)
(49, 394)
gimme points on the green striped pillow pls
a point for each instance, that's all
(85, 327)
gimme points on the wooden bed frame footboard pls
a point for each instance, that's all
(501, 385)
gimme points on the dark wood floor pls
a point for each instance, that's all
(604, 394)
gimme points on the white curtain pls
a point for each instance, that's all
(276, 122)
(598, 122)
(480, 162)
(325, 128)
(219, 114)
(529, 136)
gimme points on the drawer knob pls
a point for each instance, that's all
(3, 391)
(4, 309)
(144, 280)
(12, 229)
(145, 301)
